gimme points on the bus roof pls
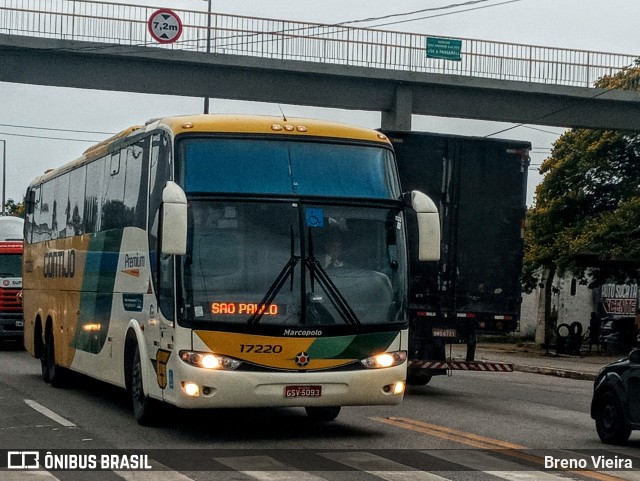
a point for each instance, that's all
(227, 124)
(269, 125)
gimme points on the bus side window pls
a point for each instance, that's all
(113, 215)
(94, 194)
(75, 214)
(159, 174)
(30, 214)
(60, 207)
(166, 283)
(135, 189)
(45, 218)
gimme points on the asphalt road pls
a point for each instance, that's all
(462, 421)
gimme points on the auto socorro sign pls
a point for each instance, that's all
(619, 299)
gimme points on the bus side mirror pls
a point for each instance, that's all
(174, 220)
(428, 225)
(30, 202)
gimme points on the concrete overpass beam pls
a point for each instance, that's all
(399, 118)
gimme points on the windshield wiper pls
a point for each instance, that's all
(273, 291)
(317, 272)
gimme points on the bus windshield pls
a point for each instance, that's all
(285, 167)
(294, 264)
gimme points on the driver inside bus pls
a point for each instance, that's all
(334, 252)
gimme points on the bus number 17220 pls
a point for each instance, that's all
(261, 348)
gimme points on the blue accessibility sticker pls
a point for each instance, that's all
(314, 217)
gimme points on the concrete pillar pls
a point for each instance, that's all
(400, 117)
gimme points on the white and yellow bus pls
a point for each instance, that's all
(186, 260)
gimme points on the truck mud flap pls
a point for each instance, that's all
(461, 366)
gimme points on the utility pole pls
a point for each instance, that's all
(4, 174)
(206, 98)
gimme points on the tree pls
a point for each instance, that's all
(11, 208)
(588, 204)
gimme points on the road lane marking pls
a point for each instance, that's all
(49, 413)
(500, 468)
(381, 467)
(481, 442)
(152, 475)
(265, 468)
(26, 475)
(451, 434)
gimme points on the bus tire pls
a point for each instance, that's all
(145, 409)
(40, 352)
(54, 372)
(324, 413)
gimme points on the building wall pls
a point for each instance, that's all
(568, 305)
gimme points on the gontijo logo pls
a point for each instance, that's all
(60, 263)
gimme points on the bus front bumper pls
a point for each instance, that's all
(200, 388)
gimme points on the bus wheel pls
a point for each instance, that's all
(322, 413)
(144, 408)
(51, 372)
(44, 366)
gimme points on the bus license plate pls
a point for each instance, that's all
(303, 391)
(444, 333)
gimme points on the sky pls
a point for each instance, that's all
(83, 117)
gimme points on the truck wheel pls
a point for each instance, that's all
(418, 379)
(322, 413)
(610, 423)
(145, 409)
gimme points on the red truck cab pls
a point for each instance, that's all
(11, 248)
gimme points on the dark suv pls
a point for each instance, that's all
(616, 399)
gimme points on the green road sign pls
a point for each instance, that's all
(446, 48)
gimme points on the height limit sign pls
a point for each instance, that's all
(165, 26)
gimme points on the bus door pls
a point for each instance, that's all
(161, 333)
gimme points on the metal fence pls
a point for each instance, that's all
(126, 24)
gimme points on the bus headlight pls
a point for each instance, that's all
(208, 360)
(386, 359)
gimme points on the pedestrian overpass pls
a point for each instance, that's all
(107, 46)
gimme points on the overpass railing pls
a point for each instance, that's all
(126, 24)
